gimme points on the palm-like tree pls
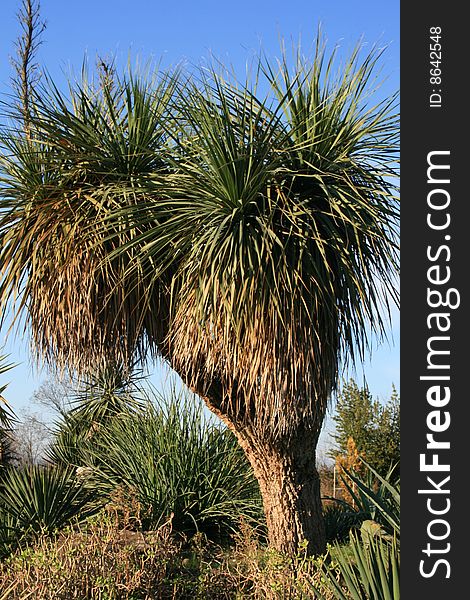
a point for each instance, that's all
(248, 240)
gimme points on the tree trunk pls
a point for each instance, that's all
(290, 488)
(287, 475)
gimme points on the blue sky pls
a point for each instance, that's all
(189, 31)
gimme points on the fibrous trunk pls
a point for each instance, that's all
(286, 472)
(290, 488)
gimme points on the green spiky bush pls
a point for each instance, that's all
(369, 566)
(7, 420)
(368, 570)
(376, 497)
(339, 520)
(95, 400)
(178, 464)
(36, 499)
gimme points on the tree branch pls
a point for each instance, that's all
(26, 69)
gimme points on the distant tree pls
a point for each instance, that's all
(371, 426)
(54, 394)
(30, 439)
(351, 461)
(386, 448)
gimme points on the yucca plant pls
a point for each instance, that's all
(10, 535)
(96, 399)
(4, 368)
(368, 571)
(36, 500)
(7, 420)
(111, 390)
(369, 566)
(249, 239)
(73, 434)
(376, 497)
(178, 464)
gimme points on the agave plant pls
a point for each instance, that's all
(340, 519)
(369, 566)
(377, 497)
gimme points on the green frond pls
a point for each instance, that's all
(90, 153)
(249, 239)
(284, 224)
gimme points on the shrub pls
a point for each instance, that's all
(369, 566)
(98, 562)
(7, 420)
(339, 520)
(177, 464)
(37, 500)
(95, 400)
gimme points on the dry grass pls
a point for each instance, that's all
(108, 563)
(101, 563)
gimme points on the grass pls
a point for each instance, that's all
(102, 561)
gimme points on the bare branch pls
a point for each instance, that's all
(26, 69)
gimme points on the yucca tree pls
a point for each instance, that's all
(110, 392)
(247, 239)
